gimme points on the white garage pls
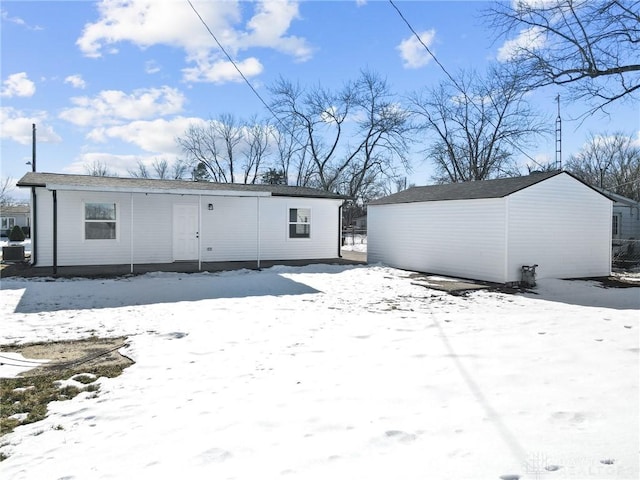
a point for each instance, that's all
(487, 230)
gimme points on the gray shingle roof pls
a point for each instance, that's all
(14, 209)
(497, 188)
(37, 179)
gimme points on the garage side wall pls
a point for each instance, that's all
(563, 226)
(462, 238)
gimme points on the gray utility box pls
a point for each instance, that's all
(13, 253)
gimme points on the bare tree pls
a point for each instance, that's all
(343, 136)
(257, 137)
(7, 186)
(589, 46)
(229, 149)
(478, 123)
(141, 171)
(97, 169)
(291, 153)
(160, 169)
(611, 162)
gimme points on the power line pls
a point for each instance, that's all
(453, 80)
(246, 80)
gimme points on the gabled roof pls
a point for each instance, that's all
(497, 188)
(59, 181)
(619, 198)
(6, 210)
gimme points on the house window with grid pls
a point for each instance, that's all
(615, 226)
(8, 223)
(299, 223)
(100, 221)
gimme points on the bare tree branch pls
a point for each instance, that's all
(588, 46)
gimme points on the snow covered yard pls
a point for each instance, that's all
(334, 372)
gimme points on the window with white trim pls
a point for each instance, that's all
(8, 223)
(299, 223)
(615, 226)
(100, 221)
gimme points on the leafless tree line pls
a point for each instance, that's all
(356, 139)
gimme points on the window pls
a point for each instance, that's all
(615, 226)
(299, 223)
(99, 221)
(8, 223)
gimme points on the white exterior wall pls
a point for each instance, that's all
(462, 238)
(44, 227)
(563, 226)
(229, 232)
(73, 249)
(274, 229)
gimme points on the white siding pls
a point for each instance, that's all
(73, 248)
(463, 238)
(561, 225)
(229, 232)
(274, 229)
(230, 229)
(44, 227)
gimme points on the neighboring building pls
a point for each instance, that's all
(87, 220)
(487, 230)
(625, 224)
(12, 215)
(360, 222)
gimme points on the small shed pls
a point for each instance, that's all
(487, 230)
(12, 215)
(81, 220)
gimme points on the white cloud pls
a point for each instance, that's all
(17, 126)
(413, 53)
(18, 85)
(167, 22)
(156, 136)
(76, 81)
(151, 66)
(530, 39)
(222, 71)
(269, 25)
(111, 106)
(18, 21)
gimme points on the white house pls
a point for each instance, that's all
(487, 230)
(626, 217)
(12, 215)
(86, 220)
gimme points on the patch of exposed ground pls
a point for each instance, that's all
(73, 367)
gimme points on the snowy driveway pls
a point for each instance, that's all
(334, 372)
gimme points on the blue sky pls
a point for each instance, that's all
(116, 81)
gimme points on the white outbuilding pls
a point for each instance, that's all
(488, 230)
(82, 220)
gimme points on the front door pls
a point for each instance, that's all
(185, 232)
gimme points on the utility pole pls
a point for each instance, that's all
(33, 148)
(558, 137)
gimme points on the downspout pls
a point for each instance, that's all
(32, 231)
(131, 234)
(258, 232)
(199, 233)
(340, 230)
(55, 232)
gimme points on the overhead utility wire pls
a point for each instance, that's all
(246, 80)
(446, 72)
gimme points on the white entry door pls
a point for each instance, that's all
(185, 232)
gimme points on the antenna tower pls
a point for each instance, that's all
(558, 137)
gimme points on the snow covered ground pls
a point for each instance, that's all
(335, 372)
